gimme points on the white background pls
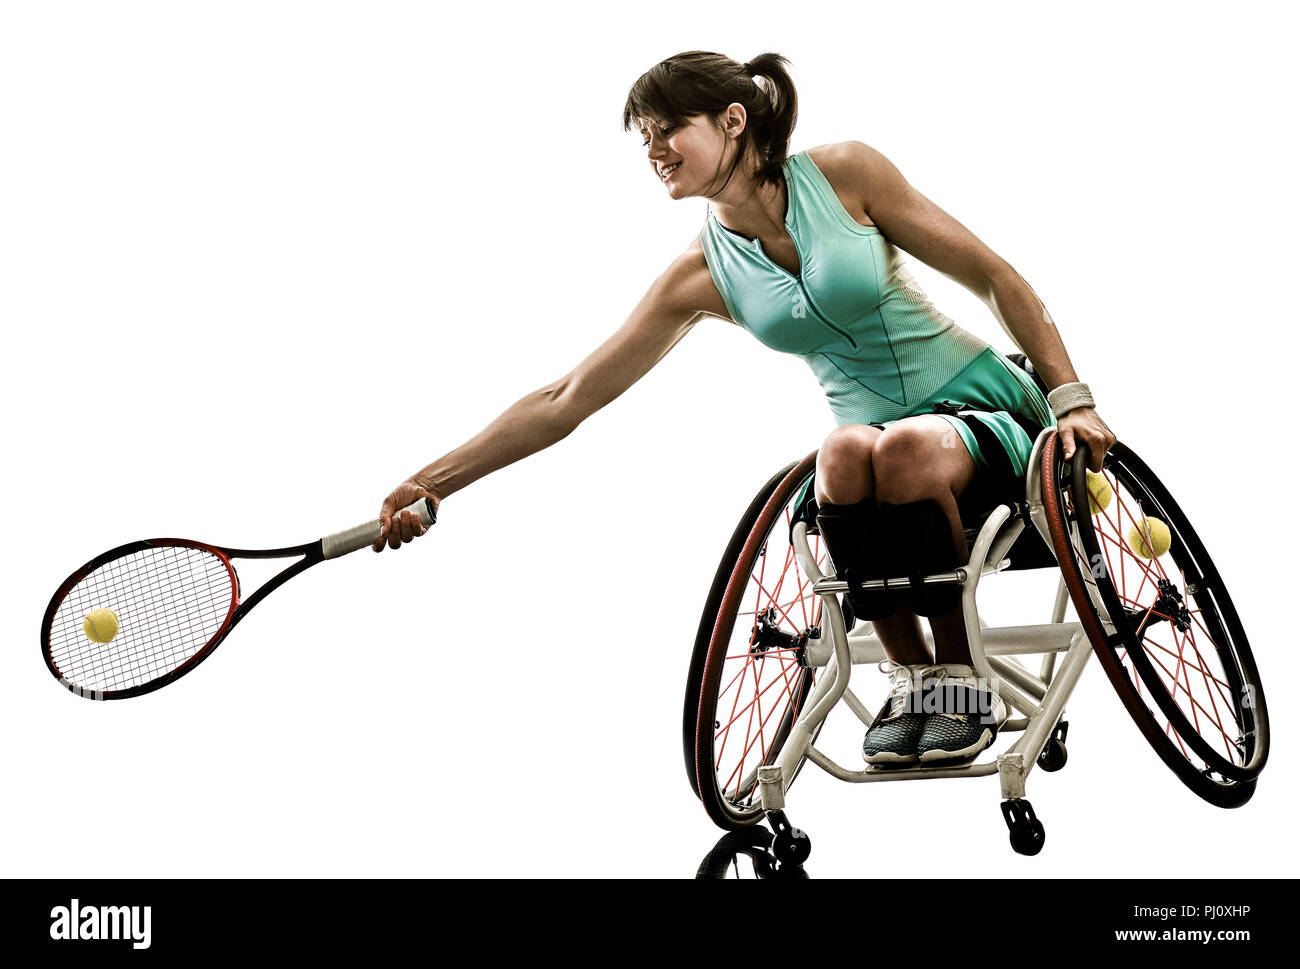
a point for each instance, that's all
(260, 261)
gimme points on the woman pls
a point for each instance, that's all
(802, 251)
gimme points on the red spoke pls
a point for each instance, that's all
(1191, 698)
(771, 599)
(1209, 692)
(770, 649)
(787, 606)
(736, 714)
(727, 729)
(764, 750)
(1194, 613)
(723, 692)
(748, 725)
(1199, 669)
(1202, 665)
(749, 744)
(805, 583)
(785, 570)
(1125, 554)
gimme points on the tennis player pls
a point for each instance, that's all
(803, 251)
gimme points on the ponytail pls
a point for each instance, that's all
(772, 129)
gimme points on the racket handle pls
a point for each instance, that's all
(363, 536)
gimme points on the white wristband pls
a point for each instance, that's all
(1067, 397)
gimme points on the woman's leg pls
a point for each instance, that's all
(923, 458)
(845, 477)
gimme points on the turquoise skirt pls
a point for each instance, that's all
(997, 410)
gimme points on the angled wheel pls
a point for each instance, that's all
(709, 618)
(748, 681)
(1160, 620)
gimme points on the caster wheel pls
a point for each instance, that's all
(1053, 757)
(1027, 834)
(1028, 839)
(791, 847)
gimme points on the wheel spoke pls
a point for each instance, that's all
(1181, 681)
(736, 714)
(762, 678)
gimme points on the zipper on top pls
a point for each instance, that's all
(816, 312)
(798, 278)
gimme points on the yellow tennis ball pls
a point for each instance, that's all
(1158, 532)
(1099, 493)
(100, 625)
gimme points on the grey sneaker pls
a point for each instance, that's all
(964, 716)
(892, 737)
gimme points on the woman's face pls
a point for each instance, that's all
(687, 158)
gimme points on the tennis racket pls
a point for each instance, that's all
(172, 602)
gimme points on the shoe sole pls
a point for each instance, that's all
(889, 757)
(985, 739)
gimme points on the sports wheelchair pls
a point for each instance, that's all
(776, 646)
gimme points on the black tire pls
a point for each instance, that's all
(1215, 742)
(723, 861)
(1023, 827)
(760, 643)
(1028, 839)
(791, 847)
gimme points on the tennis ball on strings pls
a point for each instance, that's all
(1099, 493)
(1159, 535)
(100, 625)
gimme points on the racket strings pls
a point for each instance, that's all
(170, 602)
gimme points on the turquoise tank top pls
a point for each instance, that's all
(877, 345)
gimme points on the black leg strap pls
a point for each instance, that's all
(853, 538)
(922, 545)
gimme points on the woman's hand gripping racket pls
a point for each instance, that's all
(143, 615)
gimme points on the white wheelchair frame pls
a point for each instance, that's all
(1040, 698)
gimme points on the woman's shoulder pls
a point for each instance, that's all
(846, 162)
(841, 154)
(847, 167)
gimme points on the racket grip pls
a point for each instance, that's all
(363, 536)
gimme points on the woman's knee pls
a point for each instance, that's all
(844, 465)
(914, 460)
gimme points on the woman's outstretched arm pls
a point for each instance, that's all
(664, 315)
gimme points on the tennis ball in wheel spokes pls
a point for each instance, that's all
(1097, 485)
(1099, 493)
(1149, 538)
(100, 625)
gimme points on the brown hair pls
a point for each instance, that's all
(701, 82)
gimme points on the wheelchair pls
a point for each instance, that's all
(776, 645)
